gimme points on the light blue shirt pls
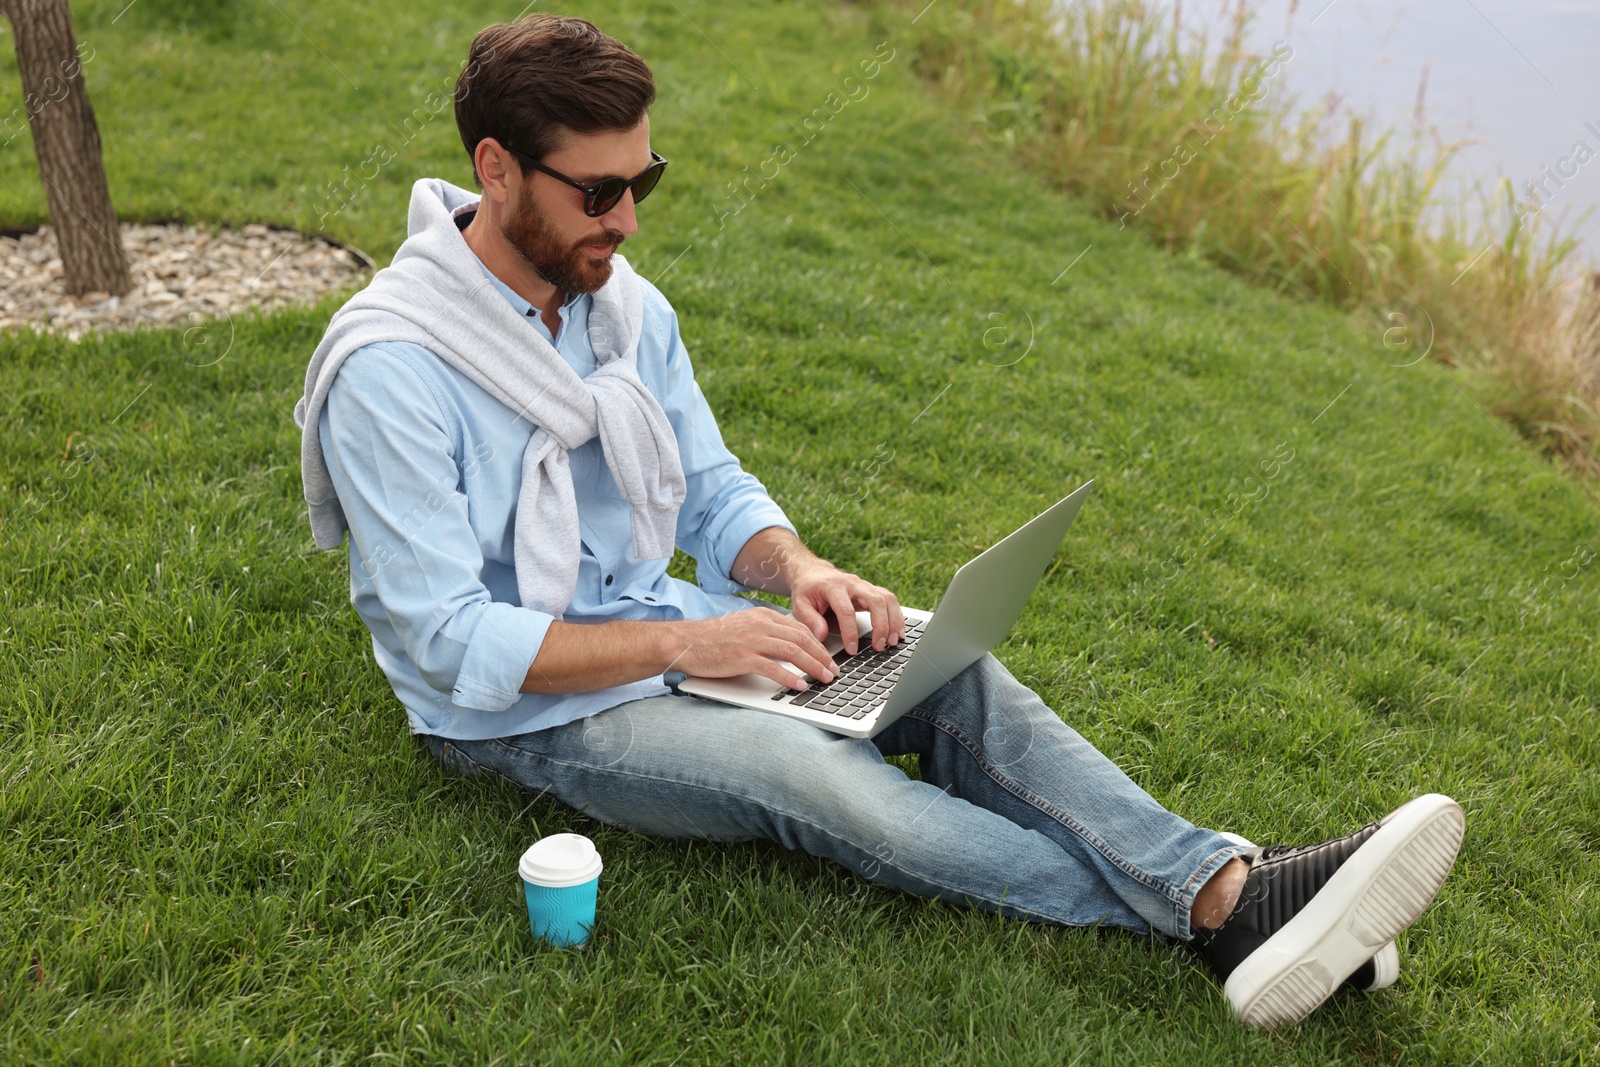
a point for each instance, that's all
(428, 465)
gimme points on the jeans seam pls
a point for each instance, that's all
(769, 807)
(1175, 896)
(451, 744)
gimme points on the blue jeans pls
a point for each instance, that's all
(1015, 813)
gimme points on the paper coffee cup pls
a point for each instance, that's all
(560, 881)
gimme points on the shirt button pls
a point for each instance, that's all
(651, 599)
(608, 579)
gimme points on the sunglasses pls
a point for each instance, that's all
(601, 196)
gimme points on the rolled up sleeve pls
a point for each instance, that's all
(500, 649)
(391, 451)
(745, 512)
(725, 505)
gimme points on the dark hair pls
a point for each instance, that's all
(533, 80)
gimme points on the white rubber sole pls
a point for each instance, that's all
(1378, 892)
(1385, 968)
(1385, 962)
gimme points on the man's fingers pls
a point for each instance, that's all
(808, 617)
(798, 651)
(809, 642)
(895, 619)
(771, 668)
(777, 666)
(845, 612)
(823, 669)
(880, 623)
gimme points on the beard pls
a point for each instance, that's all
(564, 264)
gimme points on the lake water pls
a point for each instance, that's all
(1522, 77)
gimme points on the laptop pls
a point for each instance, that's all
(873, 689)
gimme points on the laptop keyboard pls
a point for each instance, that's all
(863, 681)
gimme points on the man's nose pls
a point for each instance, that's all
(622, 217)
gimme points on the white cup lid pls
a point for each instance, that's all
(560, 860)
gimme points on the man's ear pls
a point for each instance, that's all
(495, 169)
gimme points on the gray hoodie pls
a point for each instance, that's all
(435, 294)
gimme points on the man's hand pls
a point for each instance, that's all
(753, 641)
(774, 560)
(580, 657)
(816, 587)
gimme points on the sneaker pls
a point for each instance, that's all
(1310, 915)
(1380, 972)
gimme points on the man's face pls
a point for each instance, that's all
(546, 224)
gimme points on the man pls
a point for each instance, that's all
(507, 423)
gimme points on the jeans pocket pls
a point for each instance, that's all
(452, 757)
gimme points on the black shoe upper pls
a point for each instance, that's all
(1281, 882)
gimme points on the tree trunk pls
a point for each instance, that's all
(67, 143)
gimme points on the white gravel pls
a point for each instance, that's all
(182, 275)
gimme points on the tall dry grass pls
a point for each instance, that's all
(1196, 143)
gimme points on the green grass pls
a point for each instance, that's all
(219, 844)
